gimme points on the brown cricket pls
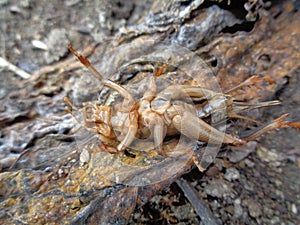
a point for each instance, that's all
(166, 113)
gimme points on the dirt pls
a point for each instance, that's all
(261, 187)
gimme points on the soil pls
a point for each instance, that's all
(263, 187)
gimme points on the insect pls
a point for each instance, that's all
(166, 113)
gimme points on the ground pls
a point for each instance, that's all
(260, 187)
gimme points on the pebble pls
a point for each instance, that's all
(267, 155)
(183, 212)
(241, 152)
(254, 208)
(57, 42)
(218, 188)
(232, 174)
(278, 183)
(39, 45)
(84, 157)
(249, 163)
(238, 209)
(70, 3)
(294, 209)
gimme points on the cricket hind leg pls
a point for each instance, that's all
(278, 123)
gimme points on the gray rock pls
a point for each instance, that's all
(232, 174)
(191, 35)
(57, 43)
(219, 188)
(254, 208)
(238, 209)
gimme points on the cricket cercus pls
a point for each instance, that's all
(166, 113)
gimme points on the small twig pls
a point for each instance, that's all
(201, 209)
(13, 68)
